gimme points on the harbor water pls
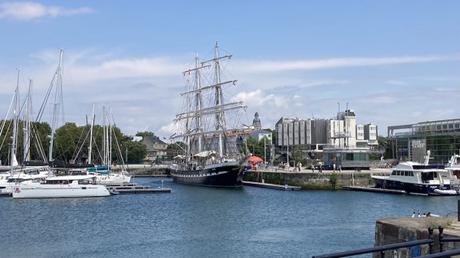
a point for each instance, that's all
(203, 222)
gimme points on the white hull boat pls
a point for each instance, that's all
(113, 179)
(61, 187)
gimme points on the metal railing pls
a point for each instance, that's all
(383, 248)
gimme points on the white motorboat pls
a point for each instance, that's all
(414, 177)
(61, 187)
(454, 165)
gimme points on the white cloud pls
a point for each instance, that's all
(26, 11)
(258, 99)
(396, 82)
(330, 63)
(143, 91)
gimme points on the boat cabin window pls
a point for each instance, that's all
(57, 182)
(402, 173)
(16, 180)
(85, 182)
(429, 176)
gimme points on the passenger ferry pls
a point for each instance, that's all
(414, 177)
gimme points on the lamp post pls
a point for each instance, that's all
(287, 153)
(265, 150)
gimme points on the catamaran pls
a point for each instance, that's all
(61, 187)
(210, 158)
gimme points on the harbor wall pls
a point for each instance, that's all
(389, 231)
(145, 170)
(314, 180)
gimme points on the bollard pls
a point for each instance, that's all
(441, 236)
(430, 236)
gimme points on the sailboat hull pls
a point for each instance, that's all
(222, 175)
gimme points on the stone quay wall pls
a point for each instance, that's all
(326, 180)
(389, 231)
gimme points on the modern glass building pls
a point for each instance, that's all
(412, 141)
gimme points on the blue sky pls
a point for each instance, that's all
(392, 61)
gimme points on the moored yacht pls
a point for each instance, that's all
(61, 187)
(414, 177)
(105, 176)
(454, 165)
(13, 178)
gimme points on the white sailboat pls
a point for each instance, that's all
(61, 187)
(103, 172)
(58, 186)
(18, 174)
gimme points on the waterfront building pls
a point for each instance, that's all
(339, 142)
(256, 122)
(293, 131)
(261, 134)
(156, 148)
(371, 134)
(412, 141)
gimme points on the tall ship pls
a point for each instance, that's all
(212, 147)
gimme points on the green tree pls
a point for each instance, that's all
(39, 133)
(67, 142)
(145, 133)
(136, 151)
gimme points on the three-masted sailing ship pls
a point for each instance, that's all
(212, 156)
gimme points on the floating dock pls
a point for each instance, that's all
(378, 190)
(136, 189)
(273, 186)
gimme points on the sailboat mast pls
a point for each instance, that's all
(104, 138)
(56, 105)
(27, 127)
(90, 148)
(109, 140)
(14, 143)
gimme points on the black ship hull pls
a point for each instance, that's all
(222, 175)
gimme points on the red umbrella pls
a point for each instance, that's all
(255, 160)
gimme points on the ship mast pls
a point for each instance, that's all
(219, 98)
(195, 96)
(198, 103)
